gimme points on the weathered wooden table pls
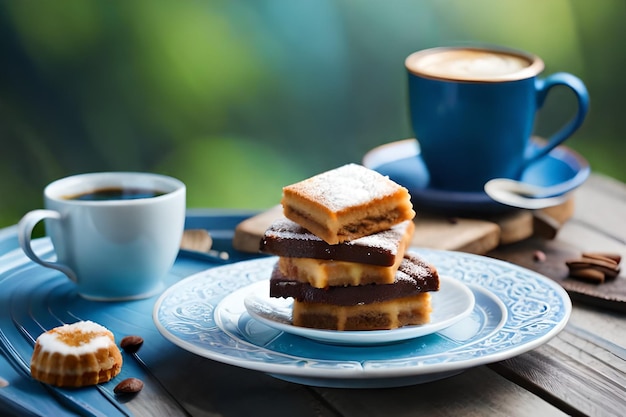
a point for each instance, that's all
(581, 371)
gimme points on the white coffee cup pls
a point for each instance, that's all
(113, 245)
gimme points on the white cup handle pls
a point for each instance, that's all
(24, 235)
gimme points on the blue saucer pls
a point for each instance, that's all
(401, 161)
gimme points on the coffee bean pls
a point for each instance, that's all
(600, 261)
(588, 274)
(128, 386)
(131, 344)
(614, 257)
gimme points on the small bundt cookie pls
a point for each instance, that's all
(76, 355)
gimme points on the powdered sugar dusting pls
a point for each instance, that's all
(386, 240)
(347, 186)
(284, 228)
(416, 270)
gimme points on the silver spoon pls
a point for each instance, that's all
(527, 196)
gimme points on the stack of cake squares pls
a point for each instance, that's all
(342, 253)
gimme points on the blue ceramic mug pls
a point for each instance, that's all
(473, 112)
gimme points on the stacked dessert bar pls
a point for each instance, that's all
(342, 253)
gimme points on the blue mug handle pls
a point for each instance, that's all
(543, 86)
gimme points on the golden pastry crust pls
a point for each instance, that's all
(76, 355)
(383, 315)
(346, 203)
(321, 274)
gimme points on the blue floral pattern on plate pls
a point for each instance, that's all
(515, 311)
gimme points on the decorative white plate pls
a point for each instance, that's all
(515, 311)
(453, 302)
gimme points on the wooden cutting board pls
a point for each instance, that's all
(611, 294)
(470, 235)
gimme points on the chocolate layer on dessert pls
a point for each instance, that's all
(414, 276)
(288, 239)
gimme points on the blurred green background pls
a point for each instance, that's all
(238, 98)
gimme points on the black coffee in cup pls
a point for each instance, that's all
(115, 193)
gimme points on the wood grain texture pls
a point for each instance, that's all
(583, 369)
(547, 222)
(475, 392)
(595, 226)
(514, 227)
(461, 234)
(578, 371)
(601, 203)
(249, 232)
(208, 388)
(471, 235)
